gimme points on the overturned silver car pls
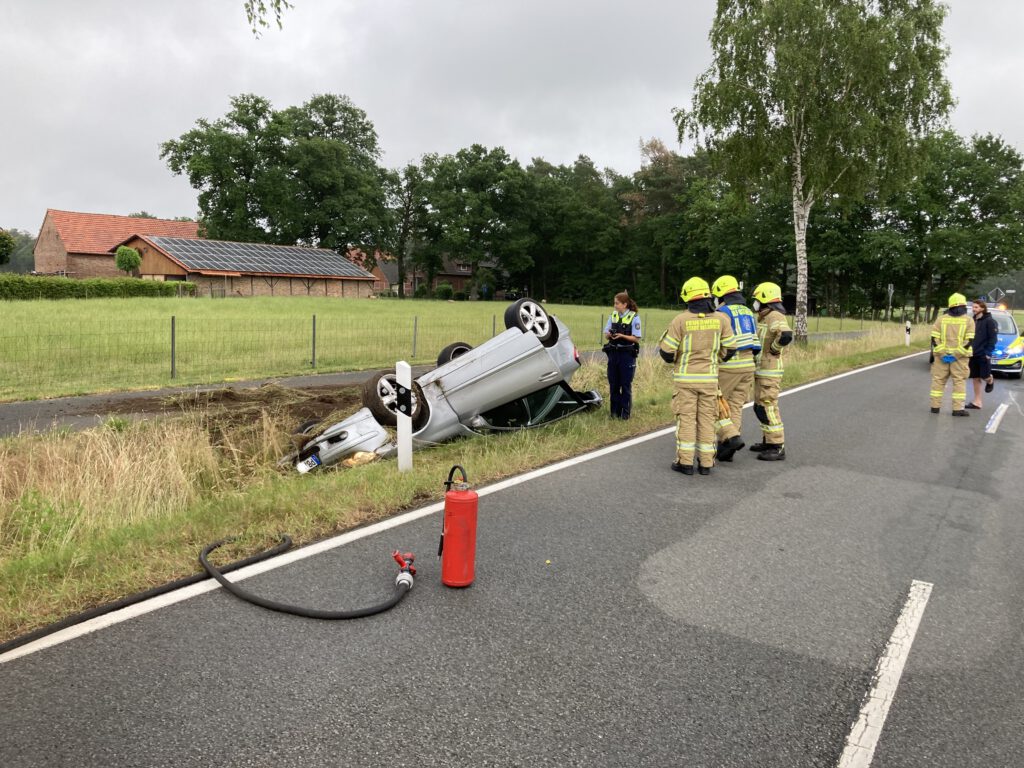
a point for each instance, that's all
(516, 380)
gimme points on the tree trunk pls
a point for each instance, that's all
(801, 212)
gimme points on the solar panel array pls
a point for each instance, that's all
(257, 257)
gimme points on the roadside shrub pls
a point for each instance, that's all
(31, 287)
(461, 296)
(444, 291)
(422, 291)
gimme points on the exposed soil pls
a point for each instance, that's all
(228, 406)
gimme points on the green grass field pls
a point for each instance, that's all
(69, 347)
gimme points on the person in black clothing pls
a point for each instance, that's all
(622, 335)
(985, 334)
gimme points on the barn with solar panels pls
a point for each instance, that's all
(220, 268)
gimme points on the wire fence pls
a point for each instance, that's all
(94, 354)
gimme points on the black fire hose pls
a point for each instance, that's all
(138, 597)
(403, 583)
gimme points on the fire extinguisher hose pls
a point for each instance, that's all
(403, 583)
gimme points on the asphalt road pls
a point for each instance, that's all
(622, 615)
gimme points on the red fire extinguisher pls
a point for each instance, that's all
(457, 549)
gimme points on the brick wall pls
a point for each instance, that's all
(49, 253)
(82, 265)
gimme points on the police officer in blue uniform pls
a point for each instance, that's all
(622, 333)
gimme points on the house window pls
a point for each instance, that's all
(462, 268)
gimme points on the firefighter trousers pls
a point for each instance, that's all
(766, 407)
(736, 387)
(696, 410)
(943, 372)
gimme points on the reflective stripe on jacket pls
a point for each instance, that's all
(696, 340)
(769, 329)
(953, 335)
(744, 330)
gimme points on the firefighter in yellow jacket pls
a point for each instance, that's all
(951, 341)
(695, 341)
(774, 335)
(735, 376)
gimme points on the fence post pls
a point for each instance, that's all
(494, 326)
(415, 320)
(174, 368)
(314, 341)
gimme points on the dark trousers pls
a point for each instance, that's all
(621, 369)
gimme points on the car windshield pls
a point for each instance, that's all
(1005, 323)
(542, 407)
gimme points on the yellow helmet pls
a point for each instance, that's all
(693, 289)
(767, 293)
(725, 284)
(957, 300)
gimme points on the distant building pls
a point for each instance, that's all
(222, 268)
(80, 244)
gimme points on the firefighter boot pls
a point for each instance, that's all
(704, 470)
(686, 469)
(729, 447)
(772, 453)
(759, 447)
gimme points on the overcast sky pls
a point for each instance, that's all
(90, 88)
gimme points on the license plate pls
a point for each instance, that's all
(311, 463)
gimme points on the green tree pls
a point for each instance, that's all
(824, 96)
(304, 175)
(127, 259)
(141, 215)
(406, 221)
(961, 217)
(22, 258)
(7, 245)
(477, 200)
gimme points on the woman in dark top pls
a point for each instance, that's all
(985, 336)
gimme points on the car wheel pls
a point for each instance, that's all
(380, 395)
(530, 317)
(1015, 374)
(452, 351)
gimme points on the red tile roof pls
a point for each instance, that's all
(99, 232)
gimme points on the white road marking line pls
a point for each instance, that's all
(995, 418)
(863, 737)
(177, 596)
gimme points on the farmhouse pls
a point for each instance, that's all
(79, 244)
(222, 268)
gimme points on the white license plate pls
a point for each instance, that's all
(311, 463)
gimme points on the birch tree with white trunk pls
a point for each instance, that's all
(828, 97)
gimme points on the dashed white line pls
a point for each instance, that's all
(863, 737)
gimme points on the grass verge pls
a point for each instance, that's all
(88, 517)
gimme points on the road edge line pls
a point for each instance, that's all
(863, 737)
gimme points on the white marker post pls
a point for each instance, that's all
(403, 377)
(906, 343)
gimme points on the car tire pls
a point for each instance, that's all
(1015, 374)
(380, 393)
(452, 351)
(530, 317)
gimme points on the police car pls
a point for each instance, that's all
(1008, 356)
(517, 380)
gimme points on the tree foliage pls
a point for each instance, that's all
(303, 175)
(258, 12)
(7, 245)
(824, 97)
(127, 259)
